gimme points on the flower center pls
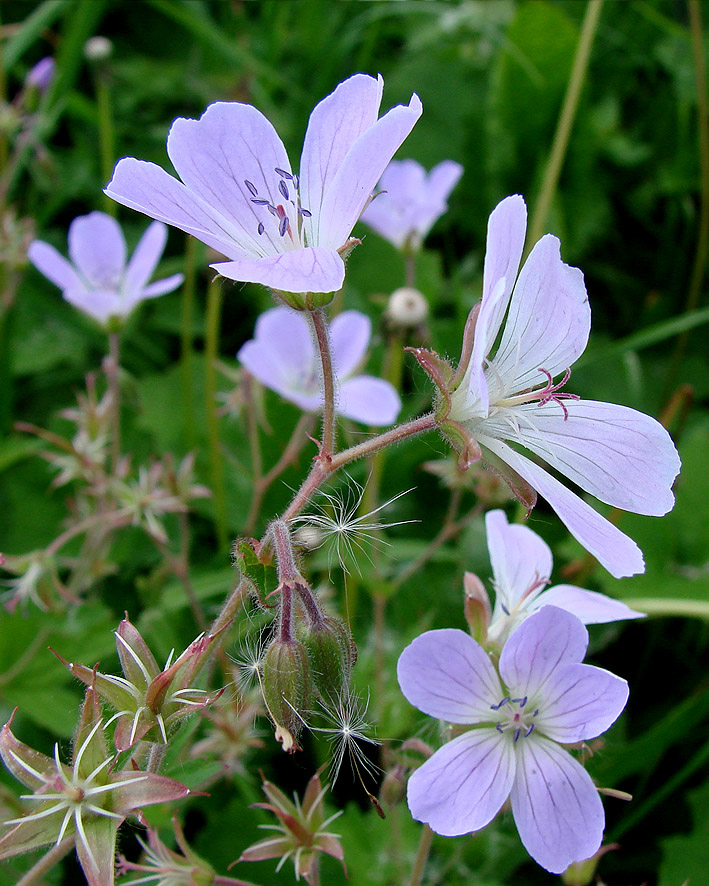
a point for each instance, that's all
(515, 717)
(288, 188)
(550, 393)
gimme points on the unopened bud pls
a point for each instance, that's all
(477, 607)
(583, 873)
(308, 537)
(332, 654)
(41, 75)
(393, 789)
(407, 308)
(98, 48)
(286, 688)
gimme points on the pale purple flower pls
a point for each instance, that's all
(411, 201)
(98, 280)
(508, 395)
(521, 568)
(543, 698)
(241, 197)
(283, 356)
(41, 75)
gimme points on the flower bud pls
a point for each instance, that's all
(407, 308)
(40, 77)
(331, 653)
(393, 789)
(98, 48)
(286, 688)
(477, 607)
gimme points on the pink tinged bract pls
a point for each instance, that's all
(521, 566)
(97, 280)
(409, 202)
(508, 396)
(283, 356)
(239, 195)
(546, 696)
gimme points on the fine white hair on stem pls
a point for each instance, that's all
(341, 527)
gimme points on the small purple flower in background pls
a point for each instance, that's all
(508, 395)
(410, 201)
(41, 75)
(545, 699)
(240, 196)
(521, 567)
(283, 357)
(97, 280)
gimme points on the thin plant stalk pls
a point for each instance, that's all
(327, 446)
(106, 133)
(565, 123)
(36, 873)
(216, 462)
(113, 370)
(422, 853)
(186, 338)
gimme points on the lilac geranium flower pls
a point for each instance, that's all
(505, 394)
(41, 75)
(543, 698)
(521, 568)
(240, 196)
(98, 280)
(410, 201)
(283, 357)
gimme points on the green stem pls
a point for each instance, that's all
(106, 134)
(113, 368)
(186, 337)
(421, 856)
(566, 120)
(214, 304)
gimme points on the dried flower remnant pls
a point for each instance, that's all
(521, 567)
(283, 357)
(231, 734)
(410, 201)
(98, 280)
(520, 720)
(504, 395)
(87, 799)
(287, 231)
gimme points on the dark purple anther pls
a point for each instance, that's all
(259, 201)
(496, 707)
(252, 187)
(517, 734)
(306, 213)
(283, 226)
(283, 188)
(261, 228)
(529, 731)
(284, 173)
(296, 181)
(272, 209)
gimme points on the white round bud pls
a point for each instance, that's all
(98, 48)
(407, 307)
(308, 537)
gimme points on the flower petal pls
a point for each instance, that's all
(313, 269)
(145, 258)
(446, 674)
(550, 638)
(548, 322)
(350, 332)
(431, 202)
(359, 172)
(98, 249)
(101, 304)
(149, 189)
(53, 265)
(619, 455)
(394, 211)
(464, 784)
(215, 156)
(556, 807)
(588, 606)
(580, 703)
(162, 287)
(521, 560)
(335, 125)
(612, 548)
(373, 401)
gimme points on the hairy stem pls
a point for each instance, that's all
(186, 336)
(327, 446)
(211, 346)
(422, 854)
(112, 368)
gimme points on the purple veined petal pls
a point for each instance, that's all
(370, 400)
(588, 606)
(556, 807)
(521, 560)
(98, 249)
(147, 188)
(359, 172)
(335, 125)
(145, 258)
(350, 332)
(619, 455)
(464, 784)
(53, 265)
(162, 287)
(475, 379)
(548, 639)
(580, 702)
(313, 269)
(446, 674)
(101, 304)
(548, 323)
(215, 156)
(613, 549)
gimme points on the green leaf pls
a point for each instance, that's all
(685, 858)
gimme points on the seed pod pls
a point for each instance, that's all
(332, 654)
(286, 687)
